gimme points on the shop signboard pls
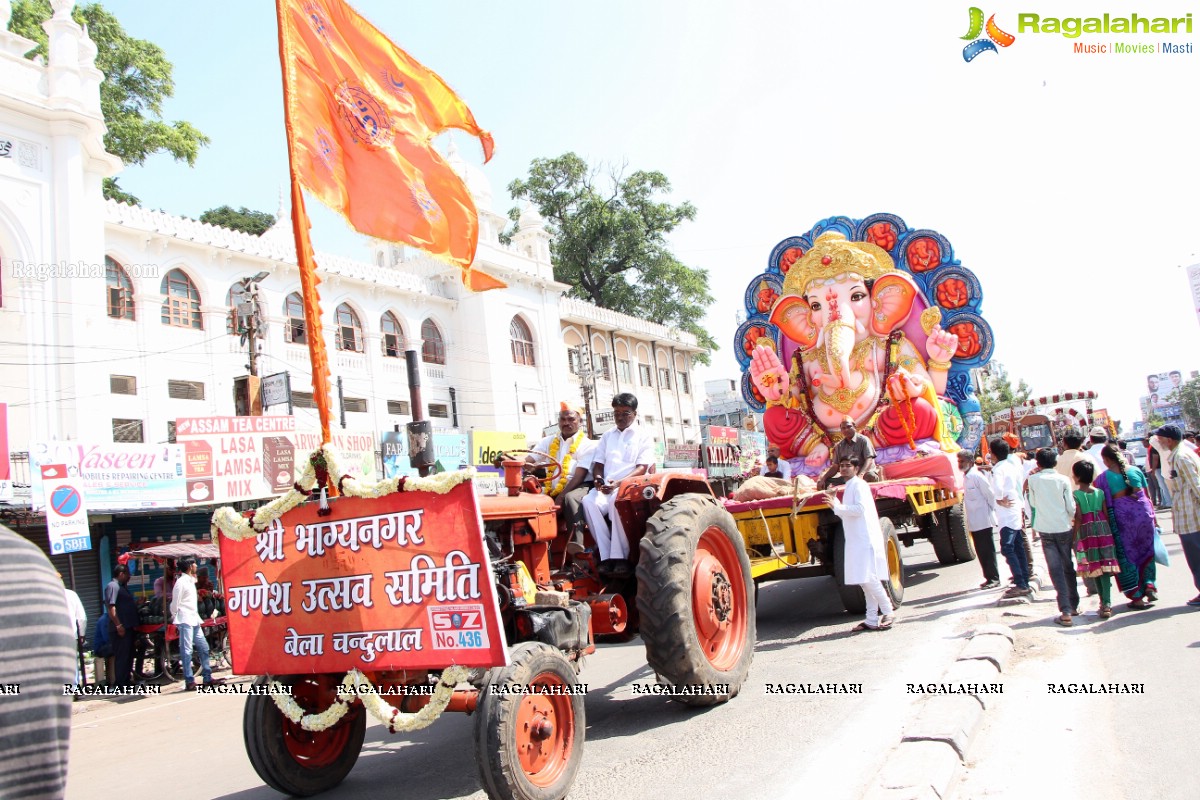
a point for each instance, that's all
(486, 446)
(277, 390)
(682, 455)
(228, 459)
(367, 587)
(449, 449)
(356, 451)
(66, 511)
(113, 476)
(720, 451)
(718, 435)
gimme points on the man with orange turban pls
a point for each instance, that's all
(573, 449)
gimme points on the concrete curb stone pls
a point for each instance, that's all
(932, 750)
(993, 647)
(976, 671)
(952, 719)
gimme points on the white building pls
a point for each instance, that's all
(115, 320)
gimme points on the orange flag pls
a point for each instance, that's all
(361, 118)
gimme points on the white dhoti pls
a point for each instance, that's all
(610, 539)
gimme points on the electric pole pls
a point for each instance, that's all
(583, 360)
(249, 324)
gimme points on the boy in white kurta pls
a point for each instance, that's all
(865, 558)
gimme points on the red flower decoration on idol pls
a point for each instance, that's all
(753, 334)
(952, 293)
(789, 257)
(766, 298)
(882, 234)
(924, 255)
(968, 339)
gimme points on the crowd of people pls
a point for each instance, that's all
(1091, 510)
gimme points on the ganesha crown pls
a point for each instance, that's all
(831, 255)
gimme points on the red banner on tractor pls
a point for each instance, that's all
(399, 582)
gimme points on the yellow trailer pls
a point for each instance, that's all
(800, 536)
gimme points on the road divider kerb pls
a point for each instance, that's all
(934, 746)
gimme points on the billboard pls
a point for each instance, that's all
(237, 458)
(449, 449)
(6, 488)
(113, 476)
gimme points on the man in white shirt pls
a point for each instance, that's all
(1099, 438)
(1007, 478)
(625, 451)
(572, 448)
(979, 505)
(186, 617)
(785, 467)
(78, 617)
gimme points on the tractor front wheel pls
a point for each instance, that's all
(696, 599)
(290, 759)
(529, 726)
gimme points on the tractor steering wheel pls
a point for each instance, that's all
(540, 460)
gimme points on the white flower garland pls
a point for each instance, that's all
(236, 527)
(357, 685)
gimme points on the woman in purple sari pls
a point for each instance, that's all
(1131, 516)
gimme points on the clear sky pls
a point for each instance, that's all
(1066, 181)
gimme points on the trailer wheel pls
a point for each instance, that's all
(938, 530)
(290, 759)
(696, 598)
(853, 599)
(529, 745)
(960, 537)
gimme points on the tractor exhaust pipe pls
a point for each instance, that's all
(609, 613)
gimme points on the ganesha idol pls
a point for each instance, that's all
(863, 343)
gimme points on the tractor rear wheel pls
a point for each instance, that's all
(853, 599)
(290, 759)
(938, 531)
(960, 537)
(529, 736)
(696, 599)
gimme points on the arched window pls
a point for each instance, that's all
(181, 301)
(120, 290)
(349, 330)
(433, 349)
(293, 319)
(393, 335)
(522, 342)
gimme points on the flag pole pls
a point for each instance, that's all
(304, 252)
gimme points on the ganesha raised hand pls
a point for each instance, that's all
(940, 346)
(768, 373)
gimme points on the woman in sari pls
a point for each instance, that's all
(1131, 517)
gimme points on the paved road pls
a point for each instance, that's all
(759, 745)
(1089, 746)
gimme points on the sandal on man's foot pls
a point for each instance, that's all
(1064, 620)
(1105, 612)
(886, 622)
(862, 626)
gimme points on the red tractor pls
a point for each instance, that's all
(690, 597)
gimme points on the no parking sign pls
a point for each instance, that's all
(66, 513)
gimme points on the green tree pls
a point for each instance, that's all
(137, 78)
(255, 223)
(998, 393)
(1189, 401)
(610, 241)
